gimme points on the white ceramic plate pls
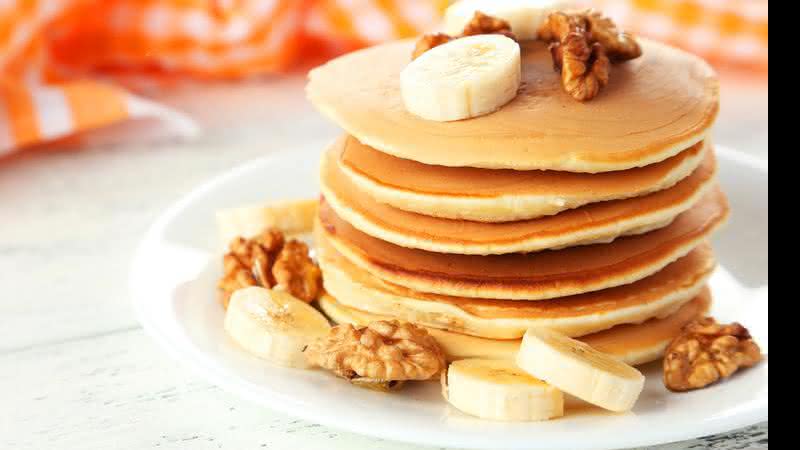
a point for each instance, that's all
(173, 288)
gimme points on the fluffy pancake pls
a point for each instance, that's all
(659, 295)
(653, 108)
(633, 344)
(598, 222)
(534, 276)
(486, 195)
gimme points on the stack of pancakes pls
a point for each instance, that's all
(588, 218)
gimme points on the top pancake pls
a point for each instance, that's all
(653, 108)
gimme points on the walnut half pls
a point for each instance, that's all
(267, 260)
(707, 352)
(382, 352)
(297, 272)
(584, 67)
(619, 45)
(583, 45)
(485, 24)
(480, 24)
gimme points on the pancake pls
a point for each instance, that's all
(598, 222)
(500, 195)
(653, 108)
(657, 296)
(533, 276)
(632, 344)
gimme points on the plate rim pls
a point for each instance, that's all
(181, 350)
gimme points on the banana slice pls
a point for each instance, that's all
(468, 77)
(291, 217)
(499, 390)
(579, 370)
(273, 325)
(524, 16)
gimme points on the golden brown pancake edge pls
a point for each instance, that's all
(537, 276)
(602, 221)
(654, 107)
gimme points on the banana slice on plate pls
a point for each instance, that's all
(524, 16)
(465, 78)
(290, 217)
(273, 325)
(579, 370)
(499, 390)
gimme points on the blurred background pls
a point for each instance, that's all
(211, 67)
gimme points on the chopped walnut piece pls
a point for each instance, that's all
(480, 24)
(297, 272)
(583, 45)
(380, 353)
(707, 352)
(484, 24)
(430, 41)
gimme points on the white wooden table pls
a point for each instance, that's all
(76, 370)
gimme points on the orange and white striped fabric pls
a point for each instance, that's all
(63, 62)
(727, 32)
(53, 52)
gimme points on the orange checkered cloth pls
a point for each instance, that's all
(61, 61)
(726, 32)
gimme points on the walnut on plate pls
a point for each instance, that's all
(297, 272)
(480, 24)
(267, 260)
(249, 263)
(707, 352)
(380, 354)
(583, 45)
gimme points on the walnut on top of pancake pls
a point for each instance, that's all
(583, 45)
(707, 352)
(382, 355)
(481, 24)
(267, 260)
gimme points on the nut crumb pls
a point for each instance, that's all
(707, 352)
(382, 352)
